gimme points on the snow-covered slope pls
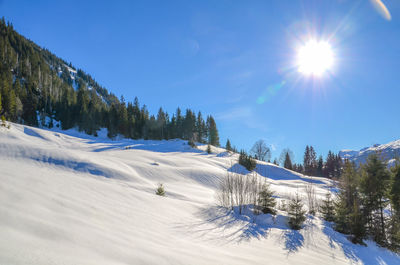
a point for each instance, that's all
(81, 200)
(388, 152)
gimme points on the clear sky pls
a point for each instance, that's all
(236, 61)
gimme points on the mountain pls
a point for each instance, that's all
(388, 152)
(38, 88)
(71, 198)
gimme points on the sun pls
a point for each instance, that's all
(315, 58)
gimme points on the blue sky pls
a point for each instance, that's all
(235, 60)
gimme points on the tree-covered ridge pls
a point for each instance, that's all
(36, 83)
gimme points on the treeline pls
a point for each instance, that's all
(331, 167)
(37, 88)
(368, 203)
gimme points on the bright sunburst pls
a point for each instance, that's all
(315, 58)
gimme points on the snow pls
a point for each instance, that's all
(70, 198)
(389, 152)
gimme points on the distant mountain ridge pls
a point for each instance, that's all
(388, 152)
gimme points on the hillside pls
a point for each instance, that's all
(37, 88)
(388, 152)
(70, 198)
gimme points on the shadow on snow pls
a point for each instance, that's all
(225, 226)
(370, 255)
(273, 172)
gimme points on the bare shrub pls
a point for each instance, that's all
(240, 190)
(311, 198)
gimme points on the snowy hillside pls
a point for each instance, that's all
(389, 152)
(68, 198)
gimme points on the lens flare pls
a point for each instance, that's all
(381, 9)
(315, 58)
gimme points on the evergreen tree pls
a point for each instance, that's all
(247, 161)
(209, 149)
(328, 208)
(313, 161)
(320, 167)
(160, 190)
(395, 190)
(3, 121)
(288, 162)
(213, 137)
(179, 124)
(266, 199)
(347, 198)
(337, 166)
(286, 156)
(162, 124)
(357, 224)
(329, 171)
(394, 224)
(394, 233)
(306, 160)
(200, 128)
(228, 146)
(189, 125)
(296, 213)
(341, 216)
(374, 188)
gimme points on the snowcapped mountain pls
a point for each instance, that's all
(389, 152)
(70, 198)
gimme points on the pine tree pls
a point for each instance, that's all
(329, 171)
(394, 224)
(306, 159)
(213, 137)
(160, 190)
(288, 162)
(395, 190)
(209, 149)
(313, 161)
(296, 213)
(228, 146)
(341, 215)
(328, 208)
(247, 161)
(374, 187)
(357, 224)
(394, 233)
(266, 199)
(320, 166)
(337, 166)
(200, 128)
(347, 198)
(3, 121)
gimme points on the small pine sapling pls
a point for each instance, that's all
(209, 149)
(160, 190)
(296, 213)
(266, 200)
(327, 208)
(3, 121)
